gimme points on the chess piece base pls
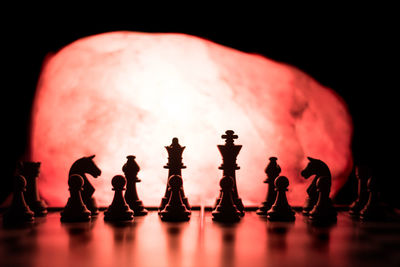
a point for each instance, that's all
(226, 216)
(126, 214)
(91, 204)
(279, 216)
(175, 215)
(39, 208)
(263, 209)
(138, 208)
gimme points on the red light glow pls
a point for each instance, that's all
(128, 93)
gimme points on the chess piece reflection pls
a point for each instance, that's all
(363, 174)
(323, 211)
(75, 210)
(281, 210)
(81, 167)
(130, 169)
(229, 153)
(226, 210)
(175, 210)
(19, 211)
(318, 168)
(272, 171)
(174, 166)
(118, 210)
(30, 170)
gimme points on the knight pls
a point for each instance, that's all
(317, 168)
(82, 167)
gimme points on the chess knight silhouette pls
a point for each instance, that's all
(319, 169)
(81, 167)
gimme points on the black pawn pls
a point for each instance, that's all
(226, 210)
(75, 210)
(130, 169)
(30, 170)
(272, 171)
(119, 209)
(175, 210)
(362, 175)
(281, 210)
(19, 211)
(373, 210)
(323, 211)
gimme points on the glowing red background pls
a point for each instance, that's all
(123, 93)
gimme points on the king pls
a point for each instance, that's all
(229, 152)
(174, 166)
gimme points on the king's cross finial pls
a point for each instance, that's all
(229, 136)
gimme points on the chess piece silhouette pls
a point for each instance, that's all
(272, 171)
(118, 210)
(30, 170)
(318, 168)
(362, 174)
(19, 211)
(323, 211)
(281, 210)
(81, 167)
(131, 169)
(75, 210)
(174, 167)
(175, 210)
(374, 210)
(226, 210)
(229, 152)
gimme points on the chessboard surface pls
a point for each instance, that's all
(148, 241)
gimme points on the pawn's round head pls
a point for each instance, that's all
(324, 183)
(75, 182)
(281, 183)
(175, 181)
(226, 183)
(19, 183)
(118, 182)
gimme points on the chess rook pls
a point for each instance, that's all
(175, 210)
(131, 169)
(226, 210)
(272, 171)
(75, 210)
(30, 170)
(229, 152)
(174, 167)
(19, 211)
(118, 210)
(281, 210)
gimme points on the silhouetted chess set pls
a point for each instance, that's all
(228, 208)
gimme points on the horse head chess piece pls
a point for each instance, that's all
(82, 167)
(317, 168)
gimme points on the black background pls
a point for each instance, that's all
(351, 52)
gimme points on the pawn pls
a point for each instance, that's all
(175, 210)
(19, 211)
(119, 209)
(226, 210)
(373, 210)
(281, 210)
(75, 210)
(323, 211)
(362, 174)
